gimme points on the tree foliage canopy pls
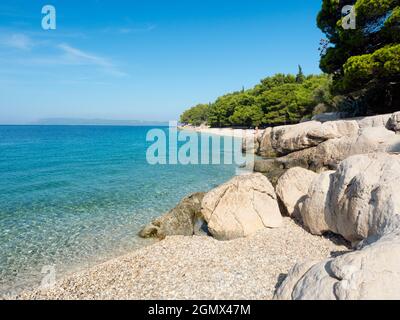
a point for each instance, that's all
(196, 115)
(363, 66)
(280, 99)
(365, 58)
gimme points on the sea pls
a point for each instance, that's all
(72, 197)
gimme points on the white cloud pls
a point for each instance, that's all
(77, 56)
(136, 30)
(126, 30)
(80, 56)
(17, 41)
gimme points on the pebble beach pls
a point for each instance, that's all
(199, 268)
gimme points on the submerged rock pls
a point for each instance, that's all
(185, 219)
(241, 207)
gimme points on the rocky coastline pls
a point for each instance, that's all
(318, 219)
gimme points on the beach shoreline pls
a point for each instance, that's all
(227, 132)
(197, 267)
(262, 239)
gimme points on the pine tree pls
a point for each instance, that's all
(300, 75)
(365, 61)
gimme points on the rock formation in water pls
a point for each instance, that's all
(185, 219)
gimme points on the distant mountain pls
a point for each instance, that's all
(100, 122)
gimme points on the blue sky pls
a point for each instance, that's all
(146, 60)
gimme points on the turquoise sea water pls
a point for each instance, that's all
(73, 196)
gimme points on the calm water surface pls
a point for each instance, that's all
(73, 196)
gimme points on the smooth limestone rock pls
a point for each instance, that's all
(373, 121)
(357, 200)
(241, 207)
(251, 141)
(266, 149)
(364, 195)
(284, 140)
(185, 219)
(328, 154)
(292, 188)
(361, 202)
(345, 201)
(370, 140)
(285, 290)
(375, 139)
(334, 130)
(316, 208)
(287, 139)
(372, 273)
(290, 138)
(394, 122)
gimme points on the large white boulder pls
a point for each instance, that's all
(241, 207)
(369, 140)
(251, 141)
(349, 137)
(375, 139)
(315, 211)
(356, 200)
(371, 273)
(266, 149)
(373, 121)
(334, 129)
(292, 187)
(364, 194)
(361, 202)
(287, 139)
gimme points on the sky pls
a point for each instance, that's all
(145, 60)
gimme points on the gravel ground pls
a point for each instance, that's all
(199, 268)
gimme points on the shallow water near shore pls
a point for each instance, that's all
(74, 196)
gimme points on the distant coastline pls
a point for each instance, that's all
(94, 122)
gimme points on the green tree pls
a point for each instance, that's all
(364, 61)
(300, 75)
(276, 100)
(247, 116)
(197, 115)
